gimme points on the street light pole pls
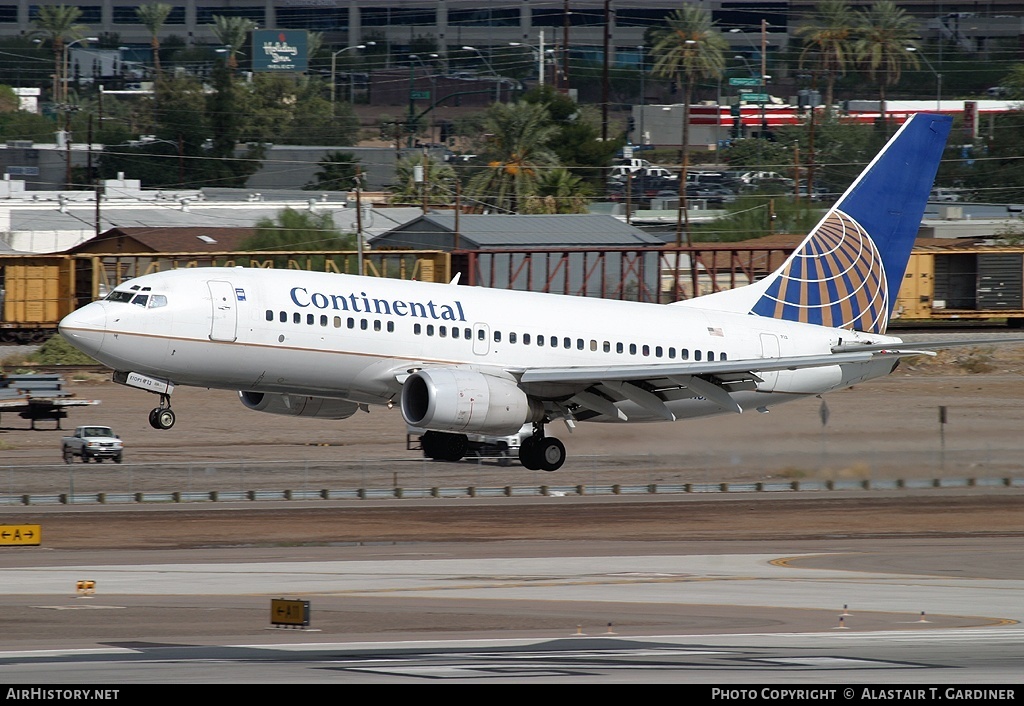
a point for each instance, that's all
(65, 108)
(938, 79)
(334, 65)
(541, 51)
(64, 64)
(433, 88)
(497, 78)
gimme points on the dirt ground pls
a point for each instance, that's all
(884, 429)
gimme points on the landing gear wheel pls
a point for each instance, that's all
(551, 453)
(454, 447)
(161, 418)
(433, 445)
(528, 455)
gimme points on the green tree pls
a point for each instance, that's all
(759, 215)
(517, 148)
(232, 32)
(337, 172)
(153, 16)
(1013, 82)
(577, 141)
(828, 42)
(559, 191)
(689, 49)
(438, 181)
(59, 24)
(22, 125)
(9, 102)
(886, 42)
(224, 105)
(758, 154)
(298, 230)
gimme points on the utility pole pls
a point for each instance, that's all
(359, 219)
(605, 69)
(565, 45)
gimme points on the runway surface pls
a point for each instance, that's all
(851, 610)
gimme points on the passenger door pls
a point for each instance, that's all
(224, 319)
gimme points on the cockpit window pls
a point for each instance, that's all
(147, 301)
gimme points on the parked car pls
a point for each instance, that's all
(660, 173)
(622, 172)
(633, 164)
(945, 195)
(92, 442)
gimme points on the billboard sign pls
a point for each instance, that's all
(279, 50)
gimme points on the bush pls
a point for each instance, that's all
(57, 351)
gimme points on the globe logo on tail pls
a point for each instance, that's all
(836, 278)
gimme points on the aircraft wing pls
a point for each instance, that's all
(928, 346)
(598, 388)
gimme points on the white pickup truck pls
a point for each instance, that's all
(92, 442)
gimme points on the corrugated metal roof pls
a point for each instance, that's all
(569, 230)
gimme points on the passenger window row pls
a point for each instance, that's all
(540, 340)
(337, 321)
(526, 339)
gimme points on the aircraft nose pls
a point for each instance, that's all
(85, 328)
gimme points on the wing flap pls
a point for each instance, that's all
(725, 369)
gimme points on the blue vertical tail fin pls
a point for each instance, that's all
(848, 270)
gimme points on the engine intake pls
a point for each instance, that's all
(466, 401)
(298, 405)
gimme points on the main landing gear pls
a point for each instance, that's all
(541, 453)
(162, 417)
(441, 446)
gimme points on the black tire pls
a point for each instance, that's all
(455, 447)
(85, 457)
(528, 455)
(551, 453)
(164, 418)
(117, 459)
(68, 456)
(431, 443)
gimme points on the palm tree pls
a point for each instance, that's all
(689, 49)
(232, 33)
(437, 186)
(517, 150)
(338, 172)
(886, 43)
(829, 38)
(59, 23)
(559, 191)
(153, 17)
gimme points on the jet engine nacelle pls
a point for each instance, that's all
(466, 401)
(298, 405)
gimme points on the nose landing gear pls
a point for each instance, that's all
(162, 417)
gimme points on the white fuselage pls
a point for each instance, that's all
(357, 338)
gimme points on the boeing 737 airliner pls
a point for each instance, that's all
(465, 360)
